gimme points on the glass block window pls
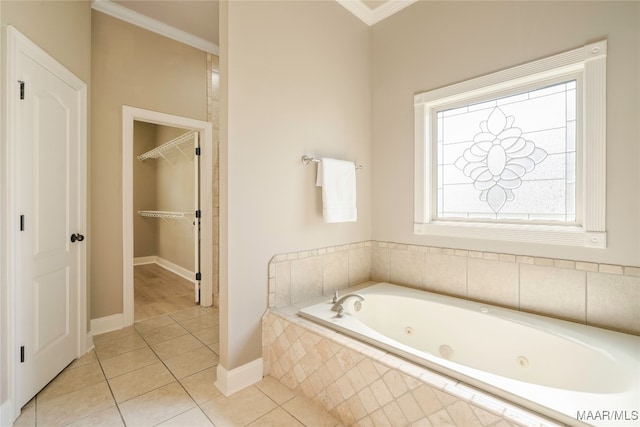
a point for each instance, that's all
(510, 158)
(518, 155)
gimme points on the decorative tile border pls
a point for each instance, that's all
(361, 385)
(297, 276)
(322, 251)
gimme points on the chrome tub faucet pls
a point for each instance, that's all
(338, 303)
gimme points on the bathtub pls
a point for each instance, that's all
(575, 374)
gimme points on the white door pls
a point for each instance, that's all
(48, 199)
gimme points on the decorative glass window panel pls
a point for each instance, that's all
(517, 155)
(510, 158)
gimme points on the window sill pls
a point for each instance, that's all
(527, 233)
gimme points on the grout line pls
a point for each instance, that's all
(161, 360)
(519, 306)
(586, 298)
(466, 277)
(110, 389)
(171, 372)
(101, 359)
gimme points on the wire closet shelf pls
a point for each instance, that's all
(176, 144)
(187, 217)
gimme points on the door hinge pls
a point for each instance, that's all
(22, 354)
(21, 222)
(198, 213)
(197, 151)
(21, 89)
(198, 276)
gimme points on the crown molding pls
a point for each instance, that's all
(140, 20)
(371, 17)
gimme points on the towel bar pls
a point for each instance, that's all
(308, 159)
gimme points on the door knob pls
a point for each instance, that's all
(77, 237)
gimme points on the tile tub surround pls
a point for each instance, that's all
(601, 295)
(299, 276)
(363, 386)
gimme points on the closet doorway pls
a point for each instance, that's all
(167, 213)
(166, 219)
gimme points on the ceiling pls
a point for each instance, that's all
(189, 21)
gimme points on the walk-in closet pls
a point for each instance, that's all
(166, 219)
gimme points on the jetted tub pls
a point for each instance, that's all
(570, 372)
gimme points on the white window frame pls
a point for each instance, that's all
(589, 62)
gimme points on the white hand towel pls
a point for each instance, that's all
(338, 181)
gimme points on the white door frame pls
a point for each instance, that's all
(14, 44)
(129, 116)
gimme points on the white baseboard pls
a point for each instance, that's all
(230, 382)
(141, 260)
(106, 324)
(89, 343)
(116, 321)
(174, 268)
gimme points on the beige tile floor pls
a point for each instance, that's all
(162, 372)
(158, 291)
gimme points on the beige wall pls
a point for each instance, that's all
(145, 230)
(63, 30)
(434, 44)
(175, 192)
(60, 28)
(163, 185)
(296, 80)
(130, 66)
